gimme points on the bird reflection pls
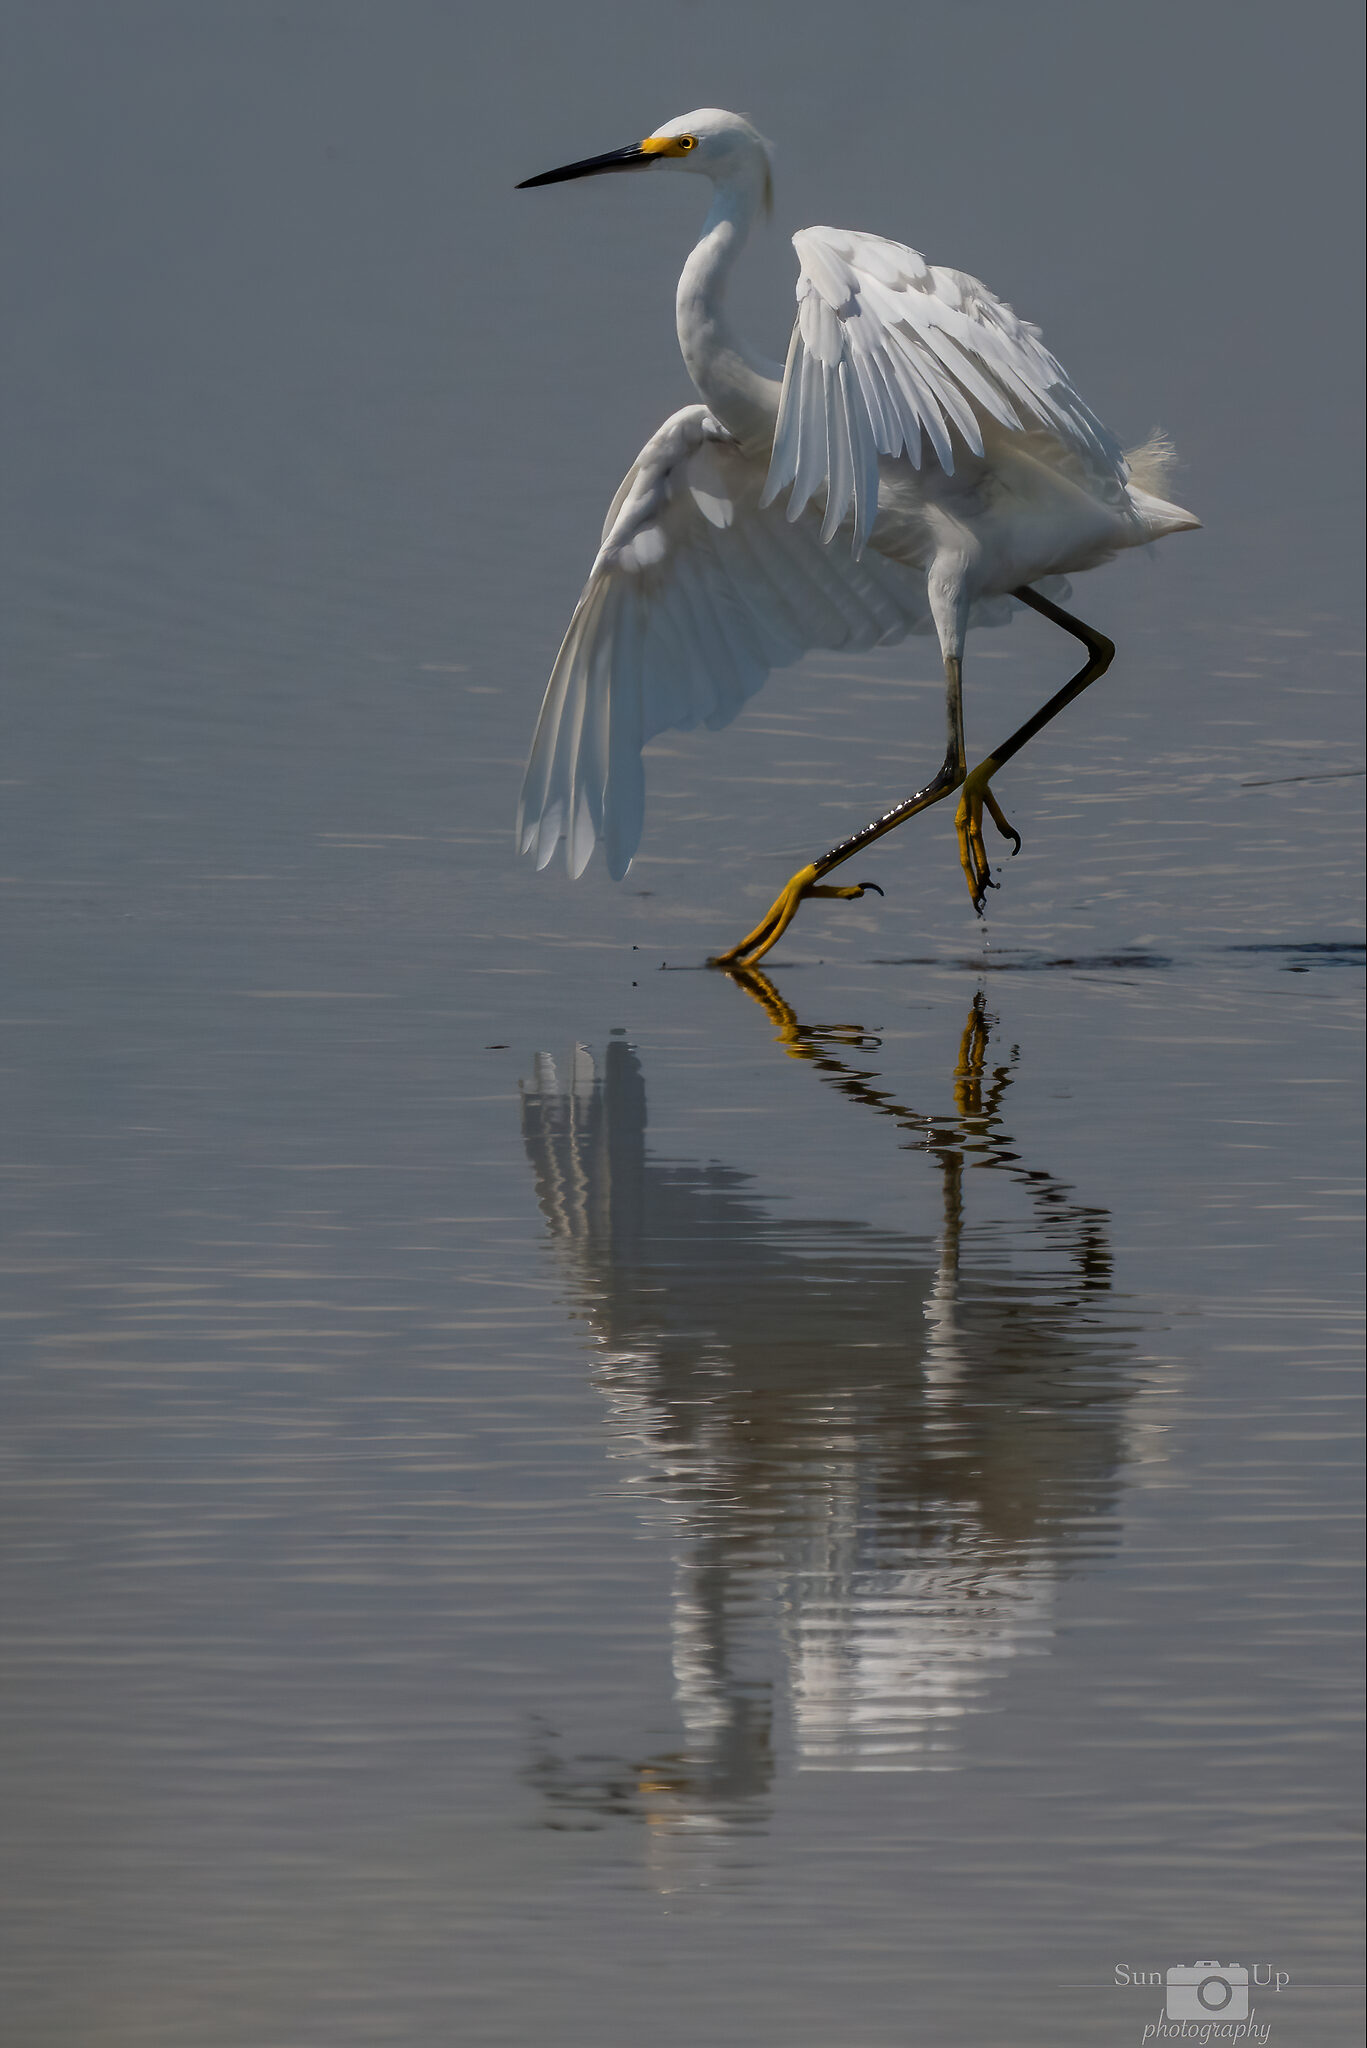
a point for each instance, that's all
(877, 1453)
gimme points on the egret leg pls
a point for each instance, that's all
(807, 881)
(974, 798)
(977, 795)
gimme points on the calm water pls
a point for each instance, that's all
(553, 1497)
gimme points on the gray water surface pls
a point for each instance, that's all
(552, 1496)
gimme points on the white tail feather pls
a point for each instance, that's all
(1152, 463)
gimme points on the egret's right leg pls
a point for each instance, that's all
(807, 881)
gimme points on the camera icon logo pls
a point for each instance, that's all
(1207, 1990)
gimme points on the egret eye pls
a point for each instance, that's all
(688, 142)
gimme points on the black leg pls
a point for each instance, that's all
(976, 793)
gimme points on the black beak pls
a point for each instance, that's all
(633, 158)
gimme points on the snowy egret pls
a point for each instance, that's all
(920, 463)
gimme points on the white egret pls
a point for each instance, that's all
(920, 463)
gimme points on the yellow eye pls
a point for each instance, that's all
(688, 142)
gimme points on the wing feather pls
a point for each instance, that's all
(813, 459)
(697, 594)
(624, 794)
(839, 455)
(708, 643)
(890, 353)
(779, 620)
(665, 659)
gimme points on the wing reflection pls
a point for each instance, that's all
(877, 1452)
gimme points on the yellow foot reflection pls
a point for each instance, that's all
(800, 1041)
(780, 915)
(757, 984)
(968, 823)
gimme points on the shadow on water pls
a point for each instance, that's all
(1125, 962)
(876, 1453)
(1300, 956)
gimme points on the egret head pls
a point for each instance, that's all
(723, 147)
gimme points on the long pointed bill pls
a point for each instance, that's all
(638, 157)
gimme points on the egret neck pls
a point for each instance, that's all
(741, 387)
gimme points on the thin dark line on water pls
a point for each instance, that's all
(1083, 963)
(1341, 947)
(1323, 775)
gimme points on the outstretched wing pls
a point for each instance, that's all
(697, 593)
(893, 356)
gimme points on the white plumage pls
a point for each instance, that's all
(889, 353)
(695, 596)
(921, 457)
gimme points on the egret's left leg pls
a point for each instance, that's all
(977, 796)
(974, 798)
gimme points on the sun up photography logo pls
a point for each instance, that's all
(1206, 2002)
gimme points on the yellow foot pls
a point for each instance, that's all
(780, 915)
(968, 823)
